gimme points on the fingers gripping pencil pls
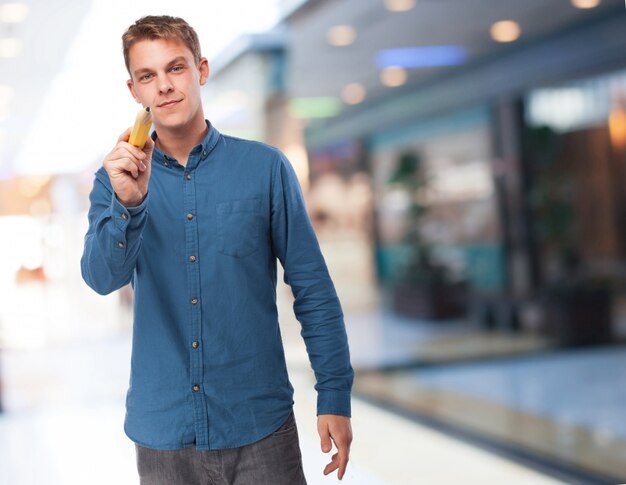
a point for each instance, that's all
(141, 129)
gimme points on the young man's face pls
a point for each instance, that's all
(165, 77)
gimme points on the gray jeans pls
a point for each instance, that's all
(274, 460)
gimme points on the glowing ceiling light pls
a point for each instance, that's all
(13, 13)
(429, 56)
(353, 93)
(10, 47)
(341, 35)
(393, 76)
(585, 3)
(399, 5)
(505, 31)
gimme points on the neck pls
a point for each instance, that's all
(179, 141)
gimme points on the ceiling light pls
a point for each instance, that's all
(341, 35)
(13, 13)
(10, 47)
(393, 76)
(399, 5)
(505, 31)
(585, 3)
(429, 56)
(353, 93)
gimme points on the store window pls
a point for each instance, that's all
(457, 201)
(575, 155)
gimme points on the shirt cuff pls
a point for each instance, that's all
(334, 402)
(123, 215)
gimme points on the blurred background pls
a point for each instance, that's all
(464, 165)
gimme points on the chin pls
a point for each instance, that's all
(174, 120)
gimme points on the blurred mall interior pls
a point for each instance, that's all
(464, 166)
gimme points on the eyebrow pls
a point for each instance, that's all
(176, 60)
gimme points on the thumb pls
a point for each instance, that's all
(325, 438)
(125, 136)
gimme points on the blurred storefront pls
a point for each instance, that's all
(458, 202)
(470, 125)
(495, 173)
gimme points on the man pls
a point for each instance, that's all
(195, 221)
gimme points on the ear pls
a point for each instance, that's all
(131, 88)
(203, 67)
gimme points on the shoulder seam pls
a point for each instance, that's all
(253, 142)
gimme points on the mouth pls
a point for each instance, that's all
(169, 104)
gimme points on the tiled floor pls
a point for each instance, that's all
(565, 407)
(582, 387)
(63, 426)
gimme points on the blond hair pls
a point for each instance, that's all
(154, 27)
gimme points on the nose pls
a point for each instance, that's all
(165, 86)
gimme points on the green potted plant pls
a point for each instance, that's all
(422, 287)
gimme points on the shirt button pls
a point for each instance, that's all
(204, 154)
(188, 176)
(124, 215)
(120, 244)
(166, 164)
(192, 259)
(190, 216)
(195, 344)
(196, 387)
(194, 301)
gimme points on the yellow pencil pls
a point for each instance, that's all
(141, 129)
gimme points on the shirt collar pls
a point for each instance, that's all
(198, 153)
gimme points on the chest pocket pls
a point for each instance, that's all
(238, 227)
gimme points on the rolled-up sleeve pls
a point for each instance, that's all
(113, 239)
(316, 304)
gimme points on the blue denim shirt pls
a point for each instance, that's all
(208, 365)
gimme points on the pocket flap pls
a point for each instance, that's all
(241, 205)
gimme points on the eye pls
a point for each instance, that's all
(145, 77)
(177, 68)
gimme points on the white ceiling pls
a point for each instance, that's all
(45, 36)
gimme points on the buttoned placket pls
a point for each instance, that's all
(194, 303)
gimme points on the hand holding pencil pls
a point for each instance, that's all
(129, 163)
